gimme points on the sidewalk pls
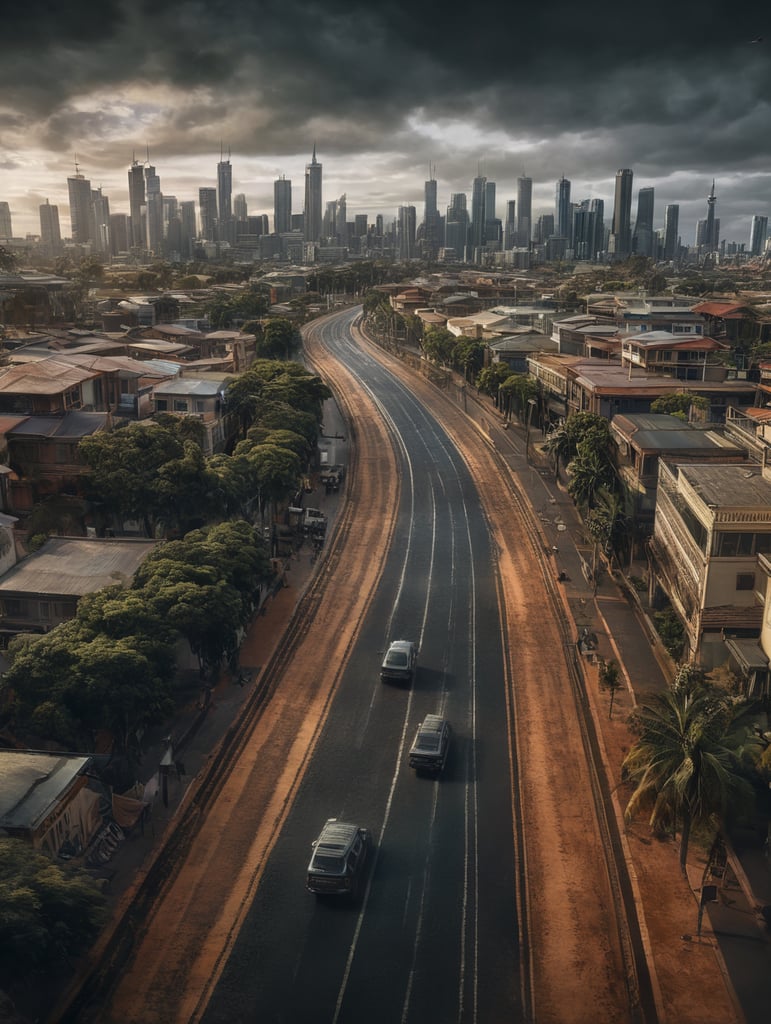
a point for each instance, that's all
(623, 632)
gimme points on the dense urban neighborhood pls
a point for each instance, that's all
(163, 436)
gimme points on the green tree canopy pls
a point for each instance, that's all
(679, 404)
(277, 340)
(48, 913)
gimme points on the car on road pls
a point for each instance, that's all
(399, 662)
(337, 862)
(428, 753)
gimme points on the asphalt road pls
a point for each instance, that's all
(433, 936)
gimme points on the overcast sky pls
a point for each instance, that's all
(677, 91)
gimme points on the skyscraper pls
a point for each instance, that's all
(671, 231)
(621, 233)
(642, 242)
(50, 233)
(711, 239)
(524, 211)
(313, 206)
(758, 235)
(282, 205)
(6, 230)
(240, 208)
(492, 224)
(79, 188)
(510, 225)
(188, 231)
(478, 194)
(136, 185)
(432, 220)
(407, 227)
(207, 206)
(563, 211)
(226, 228)
(100, 221)
(456, 229)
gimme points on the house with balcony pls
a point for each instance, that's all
(712, 526)
(645, 438)
(677, 355)
(43, 458)
(202, 398)
(586, 336)
(49, 387)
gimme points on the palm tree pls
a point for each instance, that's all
(683, 764)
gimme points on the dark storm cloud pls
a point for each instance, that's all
(593, 65)
(580, 89)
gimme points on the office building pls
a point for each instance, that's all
(621, 231)
(136, 186)
(406, 232)
(524, 211)
(510, 225)
(225, 226)
(563, 211)
(207, 208)
(544, 228)
(493, 228)
(758, 235)
(282, 205)
(120, 233)
(188, 231)
(100, 221)
(240, 210)
(478, 217)
(432, 220)
(313, 199)
(584, 231)
(643, 238)
(456, 225)
(672, 232)
(79, 188)
(6, 229)
(50, 233)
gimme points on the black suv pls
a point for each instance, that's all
(428, 752)
(338, 858)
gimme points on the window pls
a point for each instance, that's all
(180, 405)
(44, 610)
(161, 404)
(745, 581)
(200, 406)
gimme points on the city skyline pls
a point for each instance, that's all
(570, 98)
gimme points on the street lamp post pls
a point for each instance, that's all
(531, 404)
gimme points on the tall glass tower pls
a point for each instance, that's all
(621, 242)
(563, 212)
(313, 208)
(282, 205)
(524, 211)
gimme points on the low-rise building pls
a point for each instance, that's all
(712, 523)
(43, 589)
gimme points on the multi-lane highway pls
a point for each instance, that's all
(434, 935)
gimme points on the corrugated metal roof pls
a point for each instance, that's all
(74, 566)
(73, 425)
(31, 783)
(187, 386)
(46, 377)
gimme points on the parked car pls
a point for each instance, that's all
(428, 753)
(337, 862)
(399, 662)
